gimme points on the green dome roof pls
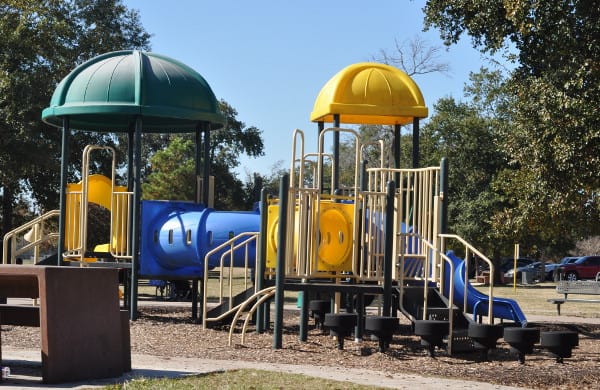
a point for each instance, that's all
(107, 92)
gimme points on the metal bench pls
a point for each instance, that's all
(582, 287)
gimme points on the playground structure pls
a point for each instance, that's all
(382, 234)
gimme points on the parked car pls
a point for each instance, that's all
(506, 265)
(586, 267)
(534, 270)
(551, 268)
(509, 264)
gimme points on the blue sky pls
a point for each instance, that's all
(270, 59)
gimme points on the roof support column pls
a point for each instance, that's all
(415, 151)
(64, 171)
(137, 195)
(206, 166)
(397, 150)
(198, 197)
(336, 154)
(197, 162)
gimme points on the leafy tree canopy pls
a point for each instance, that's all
(551, 180)
(171, 175)
(40, 43)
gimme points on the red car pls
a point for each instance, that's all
(586, 267)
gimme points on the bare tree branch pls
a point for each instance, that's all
(415, 56)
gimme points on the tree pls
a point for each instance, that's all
(40, 43)
(414, 57)
(466, 134)
(171, 174)
(551, 182)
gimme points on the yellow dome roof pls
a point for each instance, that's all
(370, 93)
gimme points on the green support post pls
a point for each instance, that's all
(388, 249)
(397, 138)
(336, 154)
(137, 193)
(304, 316)
(280, 270)
(261, 259)
(415, 131)
(64, 166)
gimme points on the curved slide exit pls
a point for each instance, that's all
(501, 308)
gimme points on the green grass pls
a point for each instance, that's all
(241, 379)
(533, 300)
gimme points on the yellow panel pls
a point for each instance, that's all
(370, 93)
(272, 230)
(336, 241)
(335, 246)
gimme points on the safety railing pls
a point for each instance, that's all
(468, 250)
(433, 257)
(120, 227)
(73, 240)
(372, 236)
(76, 215)
(227, 288)
(416, 204)
(260, 297)
(305, 240)
(31, 236)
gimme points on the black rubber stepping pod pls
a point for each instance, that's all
(559, 343)
(432, 333)
(340, 325)
(383, 328)
(485, 337)
(521, 340)
(318, 308)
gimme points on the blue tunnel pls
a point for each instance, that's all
(176, 236)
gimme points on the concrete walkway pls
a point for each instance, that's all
(147, 366)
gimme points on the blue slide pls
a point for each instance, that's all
(501, 308)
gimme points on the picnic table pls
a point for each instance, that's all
(84, 333)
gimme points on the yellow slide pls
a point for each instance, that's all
(99, 191)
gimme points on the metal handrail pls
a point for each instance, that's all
(436, 251)
(37, 224)
(266, 293)
(233, 246)
(471, 248)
